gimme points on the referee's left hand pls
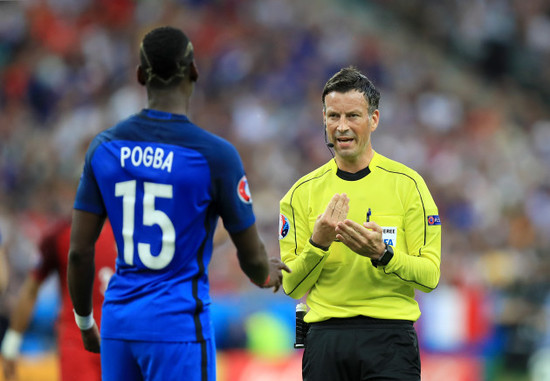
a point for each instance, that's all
(365, 240)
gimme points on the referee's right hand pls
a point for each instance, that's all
(324, 230)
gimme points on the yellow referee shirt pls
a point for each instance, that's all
(341, 283)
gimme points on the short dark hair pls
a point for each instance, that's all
(350, 78)
(165, 54)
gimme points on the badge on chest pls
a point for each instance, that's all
(389, 235)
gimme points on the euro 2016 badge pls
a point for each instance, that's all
(243, 191)
(284, 226)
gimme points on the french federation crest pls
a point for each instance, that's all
(284, 226)
(244, 191)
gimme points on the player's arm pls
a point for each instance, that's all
(234, 200)
(85, 230)
(420, 266)
(253, 259)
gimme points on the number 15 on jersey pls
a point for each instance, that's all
(151, 216)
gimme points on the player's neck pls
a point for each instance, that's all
(174, 102)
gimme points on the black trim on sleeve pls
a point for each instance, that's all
(419, 194)
(307, 275)
(407, 280)
(425, 221)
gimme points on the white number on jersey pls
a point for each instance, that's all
(151, 216)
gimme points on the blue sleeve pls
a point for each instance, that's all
(232, 193)
(88, 196)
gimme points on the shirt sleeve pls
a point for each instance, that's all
(305, 260)
(420, 266)
(232, 192)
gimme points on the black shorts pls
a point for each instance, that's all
(360, 349)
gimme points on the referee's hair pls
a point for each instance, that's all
(166, 54)
(350, 78)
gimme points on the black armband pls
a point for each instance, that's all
(324, 248)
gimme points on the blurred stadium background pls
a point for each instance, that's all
(465, 101)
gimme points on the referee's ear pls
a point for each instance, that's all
(375, 118)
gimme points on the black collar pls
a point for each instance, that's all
(352, 176)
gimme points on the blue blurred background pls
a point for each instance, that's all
(465, 101)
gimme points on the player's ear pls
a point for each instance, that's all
(194, 72)
(141, 76)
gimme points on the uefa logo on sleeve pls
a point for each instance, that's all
(434, 220)
(243, 191)
(284, 226)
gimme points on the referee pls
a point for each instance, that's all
(361, 234)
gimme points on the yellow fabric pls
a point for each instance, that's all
(342, 283)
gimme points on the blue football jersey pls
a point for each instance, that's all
(163, 182)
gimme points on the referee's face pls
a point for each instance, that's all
(349, 127)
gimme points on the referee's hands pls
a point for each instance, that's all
(324, 230)
(365, 239)
(90, 338)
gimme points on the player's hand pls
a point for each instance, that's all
(90, 338)
(9, 369)
(365, 240)
(275, 274)
(324, 230)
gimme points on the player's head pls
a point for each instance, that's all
(348, 79)
(166, 59)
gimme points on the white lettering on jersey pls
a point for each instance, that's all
(148, 157)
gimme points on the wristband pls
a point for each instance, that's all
(324, 248)
(265, 282)
(84, 322)
(11, 344)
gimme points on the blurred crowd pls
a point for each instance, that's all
(464, 101)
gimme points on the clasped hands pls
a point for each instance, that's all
(365, 239)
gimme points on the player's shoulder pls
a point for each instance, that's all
(217, 150)
(216, 142)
